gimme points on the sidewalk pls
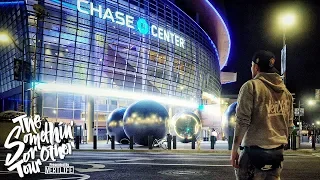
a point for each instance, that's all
(307, 145)
(220, 147)
(205, 145)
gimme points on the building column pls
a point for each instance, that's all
(38, 103)
(170, 112)
(90, 118)
(144, 56)
(170, 128)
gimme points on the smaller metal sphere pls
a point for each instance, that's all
(230, 120)
(186, 125)
(115, 125)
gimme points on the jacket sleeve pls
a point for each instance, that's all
(245, 105)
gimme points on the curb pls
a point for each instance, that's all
(157, 151)
(222, 152)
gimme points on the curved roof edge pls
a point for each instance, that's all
(216, 28)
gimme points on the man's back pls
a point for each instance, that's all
(271, 110)
(264, 115)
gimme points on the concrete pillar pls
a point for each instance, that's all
(39, 102)
(169, 124)
(170, 112)
(90, 118)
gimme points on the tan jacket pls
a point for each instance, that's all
(265, 106)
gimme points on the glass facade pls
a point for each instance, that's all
(13, 21)
(101, 44)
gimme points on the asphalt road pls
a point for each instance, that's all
(154, 166)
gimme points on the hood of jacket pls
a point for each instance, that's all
(272, 80)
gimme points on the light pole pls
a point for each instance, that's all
(300, 124)
(6, 38)
(309, 103)
(286, 21)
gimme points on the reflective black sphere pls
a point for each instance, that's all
(115, 125)
(145, 118)
(185, 125)
(229, 121)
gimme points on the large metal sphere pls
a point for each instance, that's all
(185, 125)
(145, 118)
(115, 125)
(229, 121)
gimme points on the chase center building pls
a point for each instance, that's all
(95, 56)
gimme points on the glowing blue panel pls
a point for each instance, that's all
(11, 3)
(65, 4)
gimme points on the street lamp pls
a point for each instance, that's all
(288, 20)
(6, 38)
(311, 102)
(285, 22)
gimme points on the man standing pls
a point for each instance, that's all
(264, 120)
(215, 135)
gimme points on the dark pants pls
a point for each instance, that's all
(248, 171)
(214, 139)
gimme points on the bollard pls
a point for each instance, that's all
(291, 141)
(313, 142)
(174, 139)
(131, 142)
(77, 142)
(112, 142)
(94, 142)
(288, 145)
(150, 140)
(169, 137)
(193, 142)
(294, 142)
(212, 139)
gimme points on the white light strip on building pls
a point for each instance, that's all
(211, 97)
(53, 87)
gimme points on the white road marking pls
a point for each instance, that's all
(134, 159)
(316, 154)
(95, 168)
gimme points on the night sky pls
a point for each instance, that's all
(254, 26)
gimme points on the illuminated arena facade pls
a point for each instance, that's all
(95, 56)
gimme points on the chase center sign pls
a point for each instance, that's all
(141, 25)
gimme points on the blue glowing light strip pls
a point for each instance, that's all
(228, 34)
(13, 99)
(71, 6)
(11, 3)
